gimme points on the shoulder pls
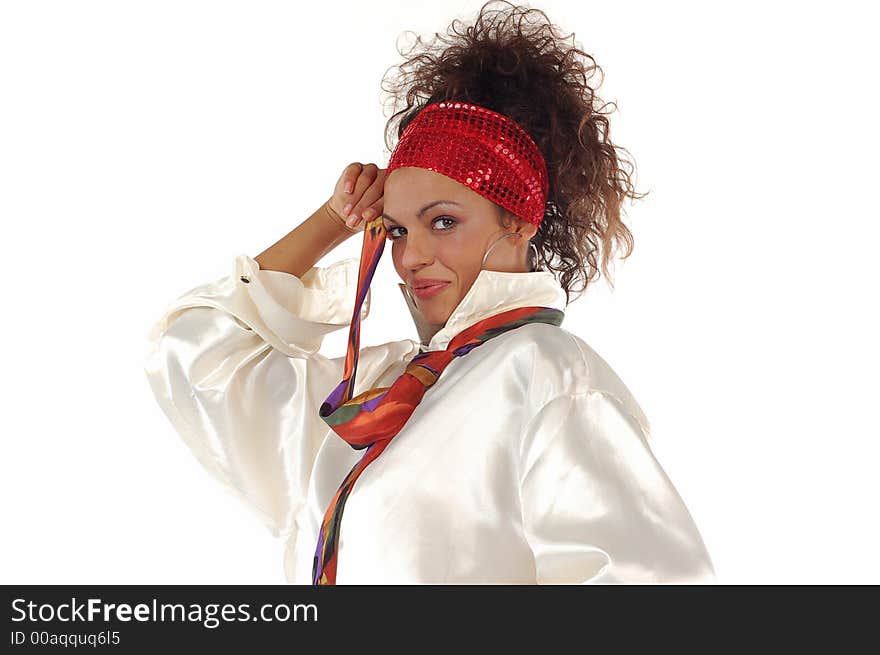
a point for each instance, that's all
(560, 363)
(383, 363)
(389, 355)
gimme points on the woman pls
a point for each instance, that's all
(529, 462)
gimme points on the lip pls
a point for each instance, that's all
(429, 291)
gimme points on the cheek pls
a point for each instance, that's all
(466, 251)
(459, 253)
(456, 250)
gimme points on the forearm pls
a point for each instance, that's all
(301, 248)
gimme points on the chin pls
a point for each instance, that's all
(433, 317)
(436, 315)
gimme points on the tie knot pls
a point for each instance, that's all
(432, 362)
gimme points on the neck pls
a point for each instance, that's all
(429, 331)
(426, 330)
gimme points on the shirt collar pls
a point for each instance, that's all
(491, 293)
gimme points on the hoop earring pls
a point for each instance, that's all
(535, 261)
(513, 234)
(509, 234)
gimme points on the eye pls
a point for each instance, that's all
(393, 237)
(446, 218)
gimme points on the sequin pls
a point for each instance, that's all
(480, 148)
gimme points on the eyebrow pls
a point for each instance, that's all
(427, 207)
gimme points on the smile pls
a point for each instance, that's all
(430, 291)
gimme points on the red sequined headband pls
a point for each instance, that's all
(480, 148)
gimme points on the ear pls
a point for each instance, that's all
(531, 230)
(528, 230)
(515, 223)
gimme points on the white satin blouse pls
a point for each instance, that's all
(527, 462)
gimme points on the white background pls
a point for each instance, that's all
(145, 144)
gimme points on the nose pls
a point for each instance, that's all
(417, 252)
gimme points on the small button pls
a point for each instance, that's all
(244, 279)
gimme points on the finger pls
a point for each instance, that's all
(373, 200)
(364, 180)
(349, 176)
(368, 175)
(367, 190)
(371, 203)
(373, 210)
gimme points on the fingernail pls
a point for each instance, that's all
(368, 214)
(348, 188)
(347, 209)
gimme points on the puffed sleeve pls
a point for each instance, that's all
(234, 365)
(597, 506)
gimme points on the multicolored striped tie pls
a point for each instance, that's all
(371, 419)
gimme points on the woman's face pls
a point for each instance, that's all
(440, 230)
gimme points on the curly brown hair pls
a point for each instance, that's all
(526, 70)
